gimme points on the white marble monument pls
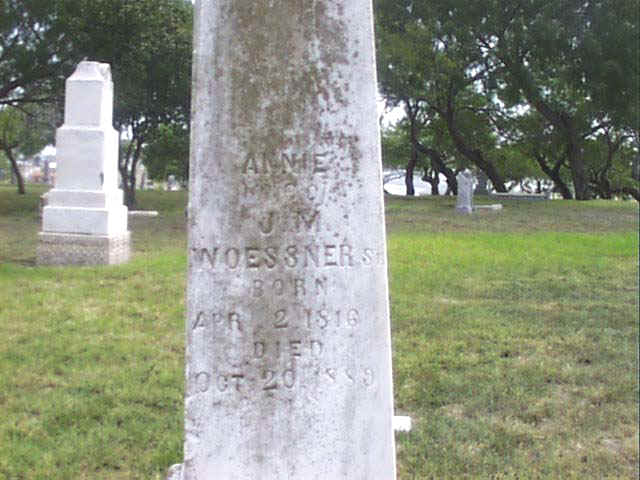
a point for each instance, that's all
(288, 363)
(85, 221)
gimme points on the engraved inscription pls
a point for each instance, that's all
(203, 380)
(266, 224)
(231, 320)
(362, 376)
(286, 162)
(295, 348)
(233, 381)
(281, 319)
(338, 318)
(274, 379)
(298, 287)
(303, 220)
(268, 378)
(342, 255)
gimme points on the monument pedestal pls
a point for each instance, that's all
(79, 249)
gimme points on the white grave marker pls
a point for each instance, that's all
(85, 221)
(288, 368)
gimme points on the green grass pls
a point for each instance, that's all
(515, 340)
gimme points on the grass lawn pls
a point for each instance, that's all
(515, 340)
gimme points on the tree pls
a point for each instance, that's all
(531, 138)
(167, 153)
(437, 78)
(480, 64)
(24, 131)
(148, 44)
(434, 159)
(565, 59)
(35, 58)
(609, 158)
(35, 51)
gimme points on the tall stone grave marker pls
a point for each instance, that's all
(288, 368)
(464, 200)
(85, 221)
(481, 186)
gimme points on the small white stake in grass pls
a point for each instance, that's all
(401, 423)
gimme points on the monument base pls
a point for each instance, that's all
(77, 249)
(175, 472)
(465, 210)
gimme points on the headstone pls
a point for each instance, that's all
(288, 364)
(464, 202)
(141, 177)
(172, 183)
(143, 213)
(85, 221)
(481, 186)
(46, 174)
(44, 201)
(402, 423)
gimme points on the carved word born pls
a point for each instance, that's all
(299, 287)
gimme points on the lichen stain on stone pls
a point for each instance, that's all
(283, 57)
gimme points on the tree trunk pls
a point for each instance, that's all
(576, 162)
(412, 114)
(554, 175)
(127, 167)
(431, 176)
(133, 203)
(16, 170)
(477, 158)
(408, 176)
(474, 155)
(602, 185)
(440, 166)
(560, 120)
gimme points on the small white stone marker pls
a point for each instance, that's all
(288, 364)
(402, 423)
(85, 221)
(143, 213)
(493, 206)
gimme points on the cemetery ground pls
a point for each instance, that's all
(515, 340)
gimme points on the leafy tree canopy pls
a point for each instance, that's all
(147, 43)
(481, 66)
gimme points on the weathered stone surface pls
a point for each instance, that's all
(175, 472)
(86, 200)
(481, 186)
(288, 365)
(74, 249)
(464, 200)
